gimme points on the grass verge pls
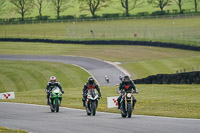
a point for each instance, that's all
(6, 130)
(156, 100)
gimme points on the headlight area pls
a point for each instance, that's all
(129, 95)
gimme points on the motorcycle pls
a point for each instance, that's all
(107, 79)
(92, 102)
(55, 99)
(126, 104)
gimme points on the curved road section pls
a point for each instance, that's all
(39, 119)
(95, 67)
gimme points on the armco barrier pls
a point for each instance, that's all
(107, 42)
(179, 78)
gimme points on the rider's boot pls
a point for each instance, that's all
(118, 105)
(83, 102)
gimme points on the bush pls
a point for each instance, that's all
(67, 17)
(143, 14)
(108, 15)
(83, 16)
(158, 13)
(43, 17)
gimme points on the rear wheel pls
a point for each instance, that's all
(93, 108)
(57, 106)
(129, 110)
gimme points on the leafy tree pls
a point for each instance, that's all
(93, 5)
(60, 6)
(40, 4)
(22, 7)
(129, 5)
(196, 2)
(180, 4)
(160, 3)
(2, 4)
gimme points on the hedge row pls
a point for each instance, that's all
(179, 78)
(108, 42)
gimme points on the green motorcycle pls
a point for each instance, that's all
(55, 99)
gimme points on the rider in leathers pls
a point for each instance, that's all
(50, 85)
(127, 85)
(89, 85)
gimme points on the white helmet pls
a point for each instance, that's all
(53, 78)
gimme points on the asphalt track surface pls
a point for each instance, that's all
(39, 119)
(95, 67)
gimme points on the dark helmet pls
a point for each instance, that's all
(91, 80)
(52, 79)
(126, 79)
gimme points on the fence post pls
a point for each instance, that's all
(5, 33)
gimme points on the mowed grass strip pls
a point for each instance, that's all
(6, 130)
(157, 100)
(21, 76)
(121, 53)
(141, 69)
(139, 61)
(184, 31)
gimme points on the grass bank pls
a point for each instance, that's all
(182, 31)
(22, 76)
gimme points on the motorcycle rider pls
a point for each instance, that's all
(127, 84)
(89, 85)
(50, 85)
(106, 78)
(120, 77)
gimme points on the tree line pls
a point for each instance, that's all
(24, 7)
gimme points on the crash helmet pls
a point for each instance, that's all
(91, 80)
(126, 79)
(52, 79)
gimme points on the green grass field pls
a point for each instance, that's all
(184, 31)
(25, 76)
(6, 130)
(114, 7)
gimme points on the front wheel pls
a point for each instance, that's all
(52, 108)
(57, 106)
(93, 108)
(129, 110)
(88, 110)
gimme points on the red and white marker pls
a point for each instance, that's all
(112, 102)
(7, 95)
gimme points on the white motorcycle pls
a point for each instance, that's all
(92, 102)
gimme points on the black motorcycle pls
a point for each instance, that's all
(126, 103)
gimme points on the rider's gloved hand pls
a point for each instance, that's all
(136, 90)
(99, 95)
(63, 92)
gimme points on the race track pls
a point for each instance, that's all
(39, 119)
(95, 67)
